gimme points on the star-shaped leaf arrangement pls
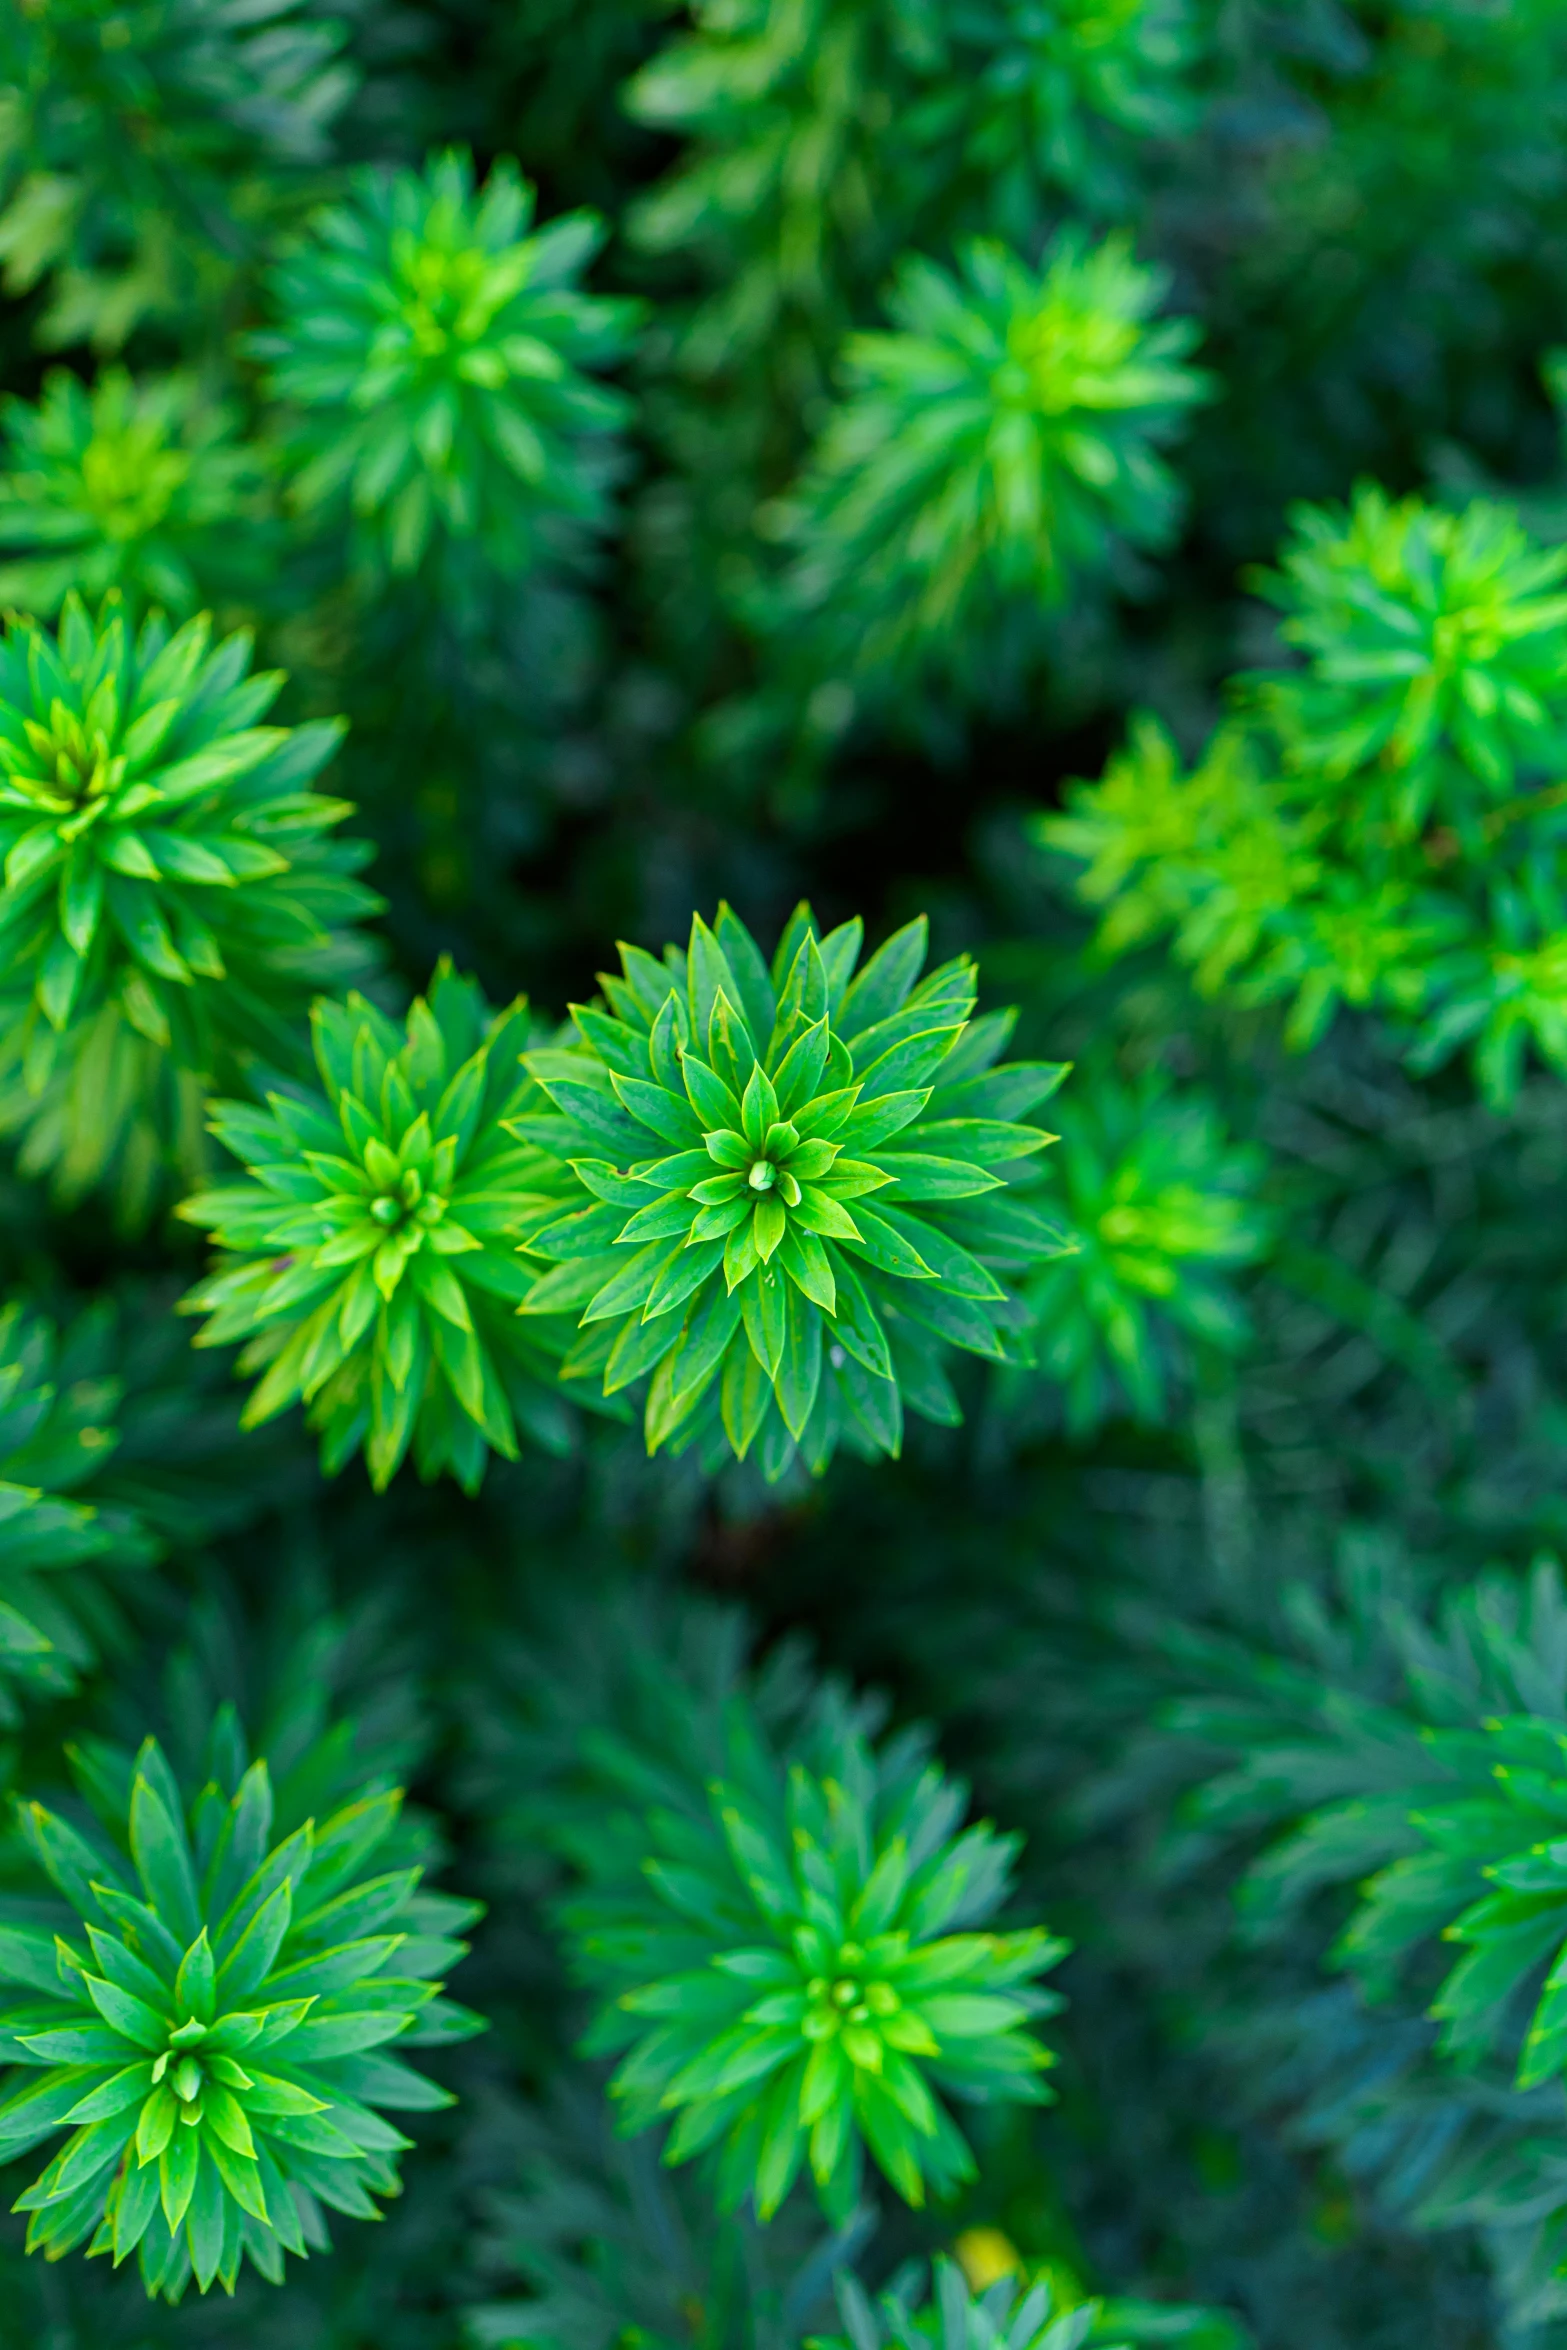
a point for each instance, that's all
(211, 2016)
(795, 1189)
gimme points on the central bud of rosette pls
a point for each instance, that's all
(190, 2074)
(846, 1998)
(394, 1207)
(75, 767)
(408, 1195)
(766, 1162)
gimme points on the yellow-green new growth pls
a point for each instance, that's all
(1382, 826)
(1162, 1208)
(139, 486)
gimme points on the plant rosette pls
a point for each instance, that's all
(172, 893)
(789, 1191)
(807, 1972)
(369, 1264)
(211, 2016)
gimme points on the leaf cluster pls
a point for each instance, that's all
(803, 1961)
(142, 486)
(594, 2239)
(435, 359)
(996, 449)
(172, 889)
(1385, 1786)
(127, 227)
(371, 1254)
(211, 2015)
(59, 1405)
(949, 2314)
(723, 1126)
(1381, 827)
(1163, 1209)
(790, 195)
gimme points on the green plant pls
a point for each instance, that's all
(1432, 643)
(433, 355)
(370, 1252)
(172, 892)
(1367, 1780)
(1008, 2315)
(1441, 1817)
(129, 485)
(1060, 96)
(593, 2240)
(910, 408)
(794, 1969)
(996, 451)
(790, 194)
(214, 2016)
(1163, 1211)
(1381, 827)
(137, 140)
(725, 1125)
(1210, 856)
(59, 1402)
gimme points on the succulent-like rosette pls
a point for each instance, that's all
(795, 1973)
(371, 1263)
(211, 2015)
(172, 893)
(1000, 446)
(1162, 1205)
(794, 1189)
(433, 348)
(141, 486)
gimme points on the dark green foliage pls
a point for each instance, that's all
(596, 2241)
(129, 226)
(762, 1108)
(59, 1403)
(1397, 1781)
(793, 191)
(955, 2317)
